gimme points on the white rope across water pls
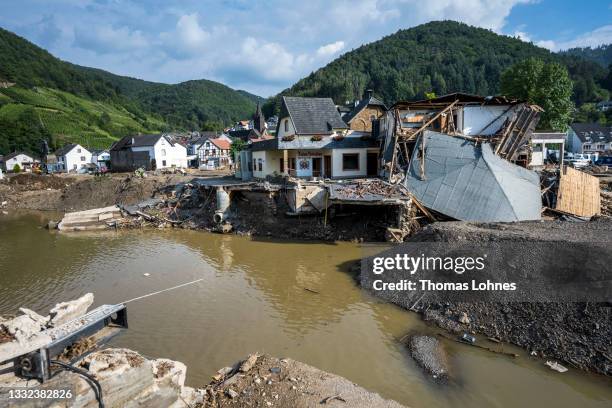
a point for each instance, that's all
(162, 291)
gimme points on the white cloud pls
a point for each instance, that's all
(187, 39)
(547, 44)
(490, 14)
(330, 49)
(262, 47)
(599, 36)
(106, 39)
(523, 36)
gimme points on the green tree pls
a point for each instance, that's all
(237, 145)
(16, 168)
(544, 84)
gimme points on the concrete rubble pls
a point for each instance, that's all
(128, 379)
(67, 311)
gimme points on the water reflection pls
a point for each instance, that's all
(253, 298)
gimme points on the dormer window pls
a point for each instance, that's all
(286, 125)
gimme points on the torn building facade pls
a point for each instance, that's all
(457, 153)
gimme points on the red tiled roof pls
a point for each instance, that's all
(221, 143)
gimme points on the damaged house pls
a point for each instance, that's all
(457, 155)
(150, 152)
(365, 112)
(312, 140)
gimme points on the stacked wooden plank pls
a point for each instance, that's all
(96, 219)
(579, 193)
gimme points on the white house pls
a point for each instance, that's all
(312, 140)
(589, 138)
(211, 152)
(100, 158)
(150, 152)
(23, 160)
(72, 158)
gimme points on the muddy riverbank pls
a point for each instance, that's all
(80, 192)
(260, 212)
(577, 334)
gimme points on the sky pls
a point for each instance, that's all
(264, 46)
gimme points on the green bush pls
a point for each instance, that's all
(16, 168)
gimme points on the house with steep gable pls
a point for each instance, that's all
(364, 112)
(312, 140)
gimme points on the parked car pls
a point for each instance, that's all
(604, 161)
(580, 160)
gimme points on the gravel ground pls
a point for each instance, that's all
(273, 382)
(577, 334)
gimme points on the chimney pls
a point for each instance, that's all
(368, 94)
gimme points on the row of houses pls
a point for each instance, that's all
(312, 138)
(316, 138)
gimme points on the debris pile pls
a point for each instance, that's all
(456, 154)
(266, 381)
(123, 375)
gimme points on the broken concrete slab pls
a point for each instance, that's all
(43, 320)
(169, 372)
(67, 311)
(23, 328)
(97, 218)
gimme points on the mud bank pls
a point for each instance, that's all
(577, 334)
(267, 381)
(119, 377)
(265, 210)
(281, 210)
(82, 192)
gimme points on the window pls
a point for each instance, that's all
(164, 163)
(254, 164)
(372, 117)
(350, 161)
(250, 166)
(260, 165)
(163, 152)
(286, 125)
(586, 147)
(601, 147)
(82, 158)
(79, 150)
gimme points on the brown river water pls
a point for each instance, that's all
(252, 299)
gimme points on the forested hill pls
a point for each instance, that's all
(187, 105)
(42, 96)
(440, 57)
(601, 54)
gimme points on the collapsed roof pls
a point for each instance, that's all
(469, 182)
